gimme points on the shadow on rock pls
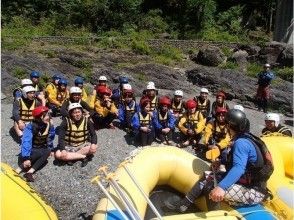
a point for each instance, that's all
(14, 136)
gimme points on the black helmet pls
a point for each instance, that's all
(237, 120)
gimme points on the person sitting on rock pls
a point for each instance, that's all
(203, 103)
(178, 105)
(117, 94)
(35, 77)
(79, 82)
(127, 108)
(102, 82)
(37, 143)
(165, 121)
(77, 138)
(56, 98)
(75, 96)
(273, 126)
(191, 125)
(248, 166)
(143, 123)
(219, 103)
(23, 108)
(151, 93)
(216, 134)
(105, 110)
(263, 91)
(17, 93)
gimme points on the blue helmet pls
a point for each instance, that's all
(79, 80)
(123, 80)
(56, 77)
(62, 81)
(35, 74)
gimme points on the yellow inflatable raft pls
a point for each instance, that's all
(177, 168)
(19, 201)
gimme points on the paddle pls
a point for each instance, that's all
(212, 155)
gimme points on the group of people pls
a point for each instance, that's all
(200, 123)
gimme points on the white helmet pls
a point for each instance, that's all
(273, 117)
(267, 65)
(239, 107)
(179, 93)
(151, 83)
(27, 89)
(150, 86)
(204, 90)
(102, 78)
(74, 105)
(127, 87)
(75, 89)
(26, 82)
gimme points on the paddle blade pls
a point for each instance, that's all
(212, 154)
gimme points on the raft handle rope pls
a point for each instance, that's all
(123, 164)
(97, 181)
(124, 198)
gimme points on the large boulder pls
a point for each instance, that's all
(271, 52)
(250, 49)
(239, 86)
(240, 57)
(211, 56)
(286, 57)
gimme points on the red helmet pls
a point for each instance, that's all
(103, 90)
(38, 111)
(220, 110)
(164, 100)
(221, 93)
(144, 101)
(190, 104)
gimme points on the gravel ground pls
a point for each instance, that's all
(68, 188)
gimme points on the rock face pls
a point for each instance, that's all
(238, 86)
(286, 57)
(211, 56)
(240, 57)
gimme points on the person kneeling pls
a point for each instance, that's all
(77, 138)
(37, 143)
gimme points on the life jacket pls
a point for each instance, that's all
(25, 111)
(218, 132)
(265, 78)
(280, 130)
(215, 106)
(37, 87)
(144, 121)
(258, 173)
(130, 110)
(74, 135)
(154, 103)
(192, 121)
(40, 139)
(163, 120)
(177, 108)
(202, 106)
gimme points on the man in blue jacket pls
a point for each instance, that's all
(263, 91)
(248, 167)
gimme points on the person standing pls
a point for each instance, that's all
(263, 91)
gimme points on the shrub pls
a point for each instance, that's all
(253, 69)
(285, 73)
(229, 65)
(20, 73)
(141, 47)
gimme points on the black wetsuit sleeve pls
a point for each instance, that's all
(63, 109)
(87, 107)
(93, 135)
(61, 135)
(15, 111)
